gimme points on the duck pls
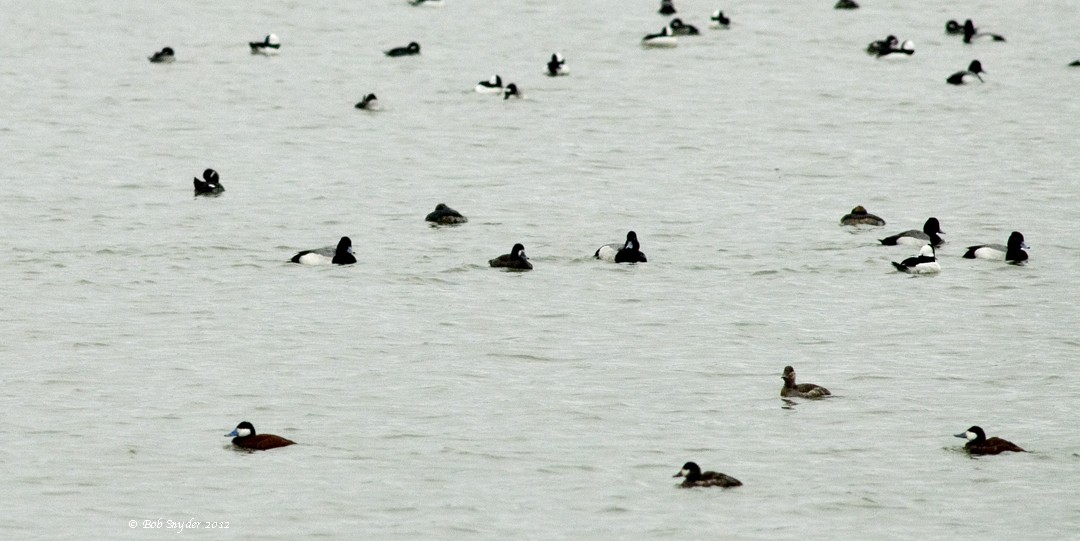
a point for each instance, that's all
(244, 437)
(408, 50)
(924, 263)
(268, 46)
(970, 33)
(680, 28)
(445, 215)
(952, 27)
(663, 38)
(493, 85)
(1013, 252)
(859, 216)
(846, 4)
(1074, 63)
(342, 255)
(163, 56)
(511, 91)
(890, 48)
(627, 252)
(930, 234)
(666, 7)
(557, 66)
(694, 477)
(964, 77)
(516, 259)
(877, 47)
(427, 3)
(800, 390)
(369, 103)
(210, 184)
(979, 444)
(718, 20)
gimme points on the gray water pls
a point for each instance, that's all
(434, 397)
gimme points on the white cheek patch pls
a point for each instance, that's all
(243, 432)
(684, 472)
(970, 435)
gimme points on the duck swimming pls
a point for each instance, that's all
(244, 437)
(800, 390)
(408, 50)
(511, 91)
(342, 255)
(627, 252)
(663, 38)
(268, 46)
(924, 263)
(930, 234)
(163, 56)
(557, 66)
(979, 444)
(370, 103)
(1013, 252)
(666, 8)
(493, 85)
(859, 216)
(846, 4)
(445, 215)
(680, 28)
(209, 185)
(970, 32)
(969, 76)
(516, 259)
(718, 20)
(694, 477)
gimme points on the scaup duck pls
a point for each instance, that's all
(663, 38)
(163, 56)
(244, 436)
(846, 4)
(666, 7)
(924, 263)
(718, 20)
(859, 216)
(268, 46)
(930, 234)
(680, 28)
(342, 255)
(970, 33)
(511, 91)
(979, 444)
(445, 215)
(627, 252)
(370, 103)
(408, 50)
(964, 77)
(427, 3)
(694, 477)
(800, 390)
(210, 184)
(491, 86)
(1013, 252)
(557, 66)
(516, 259)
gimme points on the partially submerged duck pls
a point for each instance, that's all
(268, 46)
(210, 183)
(408, 50)
(370, 103)
(445, 215)
(557, 66)
(163, 56)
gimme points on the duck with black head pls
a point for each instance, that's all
(515, 260)
(694, 477)
(800, 390)
(444, 215)
(413, 48)
(164, 56)
(930, 234)
(666, 7)
(210, 184)
(1013, 252)
(244, 437)
(967, 76)
(557, 66)
(342, 255)
(979, 444)
(627, 252)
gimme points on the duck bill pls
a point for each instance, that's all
(232, 434)
(682, 473)
(981, 81)
(961, 435)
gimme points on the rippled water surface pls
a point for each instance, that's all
(434, 397)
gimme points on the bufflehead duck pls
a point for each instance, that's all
(410, 49)
(210, 184)
(627, 252)
(516, 259)
(342, 255)
(557, 66)
(964, 77)
(859, 216)
(924, 263)
(370, 103)
(511, 92)
(800, 390)
(929, 235)
(666, 7)
(680, 28)
(427, 3)
(970, 33)
(846, 4)
(445, 215)
(664, 38)
(490, 86)
(244, 436)
(979, 444)
(1012, 253)
(718, 20)
(268, 46)
(693, 477)
(163, 56)
(891, 48)
(876, 47)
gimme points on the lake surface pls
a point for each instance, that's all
(433, 397)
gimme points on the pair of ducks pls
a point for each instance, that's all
(268, 46)
(890, 46)
(626, 252)
(969, 31)
(494, 85)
